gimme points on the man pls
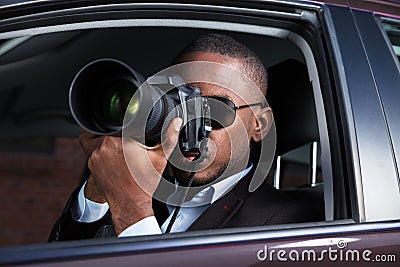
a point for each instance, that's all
(117, 199)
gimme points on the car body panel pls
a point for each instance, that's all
(227, 247)
(387, 81)
(369, 121)
(355, 73)
(387, 7)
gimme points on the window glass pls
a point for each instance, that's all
(300, 167)
(37, 175)
(41, 161)
(393, 32)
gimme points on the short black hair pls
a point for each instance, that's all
(227, 46)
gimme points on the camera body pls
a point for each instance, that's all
(107, 97)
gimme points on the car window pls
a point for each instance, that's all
(304, 163)
(392, 30)
(43, 162)
(37, 176)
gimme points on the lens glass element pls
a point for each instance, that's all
(116, 101)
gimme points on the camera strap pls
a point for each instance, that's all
(196, 161)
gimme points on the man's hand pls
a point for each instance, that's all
(89, 142)
(125, 173)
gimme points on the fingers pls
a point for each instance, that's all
(171, 136)
(115, 162)
(89, 142)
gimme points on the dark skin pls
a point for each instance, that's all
(111, 179)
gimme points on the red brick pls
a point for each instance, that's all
(34, 189)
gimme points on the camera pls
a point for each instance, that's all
(107, 96)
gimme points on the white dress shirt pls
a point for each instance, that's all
(88, 211)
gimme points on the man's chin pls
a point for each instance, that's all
(201, 179)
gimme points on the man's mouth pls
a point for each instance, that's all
(191, 158)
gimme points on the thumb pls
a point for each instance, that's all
(171, 136)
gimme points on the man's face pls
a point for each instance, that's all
(228, 148)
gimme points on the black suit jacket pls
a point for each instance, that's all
(237, 208)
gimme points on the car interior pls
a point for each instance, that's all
(35, 77)
(297, 130)
(393, 32)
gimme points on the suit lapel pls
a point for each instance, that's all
(224, 209)
(218, 213)
(165, 188)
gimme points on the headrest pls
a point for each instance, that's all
(291, 98)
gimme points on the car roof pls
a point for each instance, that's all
(384, 7)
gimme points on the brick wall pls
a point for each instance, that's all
(34, 188)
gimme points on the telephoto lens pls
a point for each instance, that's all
(107, 96)
(100, 93)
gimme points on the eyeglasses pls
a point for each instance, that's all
(223, 111)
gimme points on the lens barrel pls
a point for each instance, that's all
(106, 96)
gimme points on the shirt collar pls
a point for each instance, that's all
(224, 186)
(211, 193)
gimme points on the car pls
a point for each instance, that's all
(334, 78)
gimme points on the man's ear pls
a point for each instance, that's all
(262, 123)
